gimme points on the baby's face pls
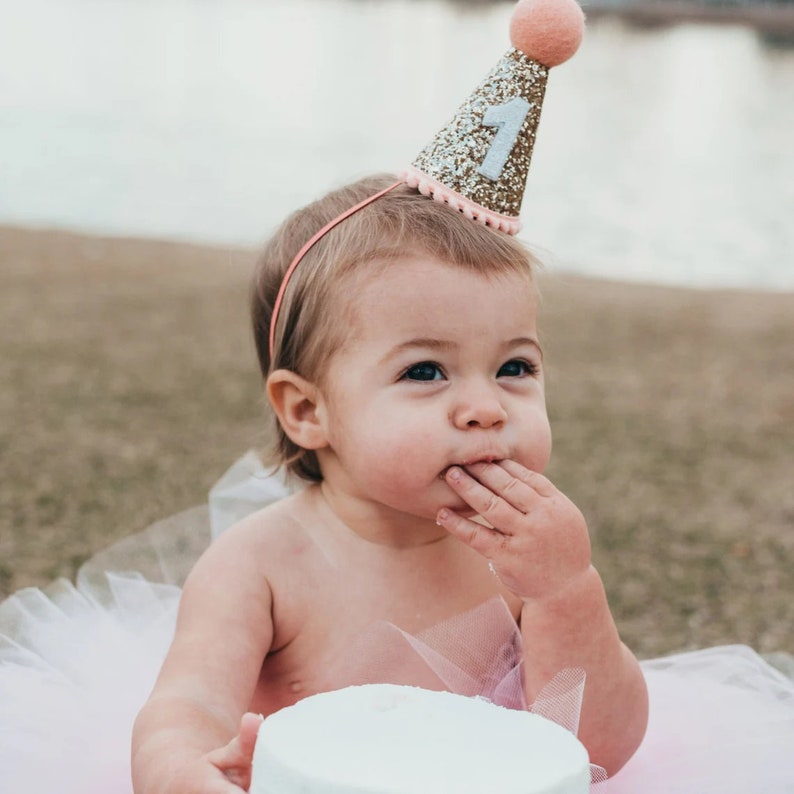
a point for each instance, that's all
(441, 366)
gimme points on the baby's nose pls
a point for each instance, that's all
(478, 406)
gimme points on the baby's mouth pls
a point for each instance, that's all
(464, 464)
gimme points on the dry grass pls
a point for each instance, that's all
(129, 384)
(673, 413)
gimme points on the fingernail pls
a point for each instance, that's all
(443, 515)
(454, 474)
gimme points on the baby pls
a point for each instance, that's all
(406, 377)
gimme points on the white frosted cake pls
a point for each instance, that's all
(387, 739)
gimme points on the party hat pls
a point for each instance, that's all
(478, 162)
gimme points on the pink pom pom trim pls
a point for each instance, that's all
(428, 186)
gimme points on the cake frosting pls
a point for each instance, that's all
(389, 739)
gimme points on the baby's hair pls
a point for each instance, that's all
(314, 317)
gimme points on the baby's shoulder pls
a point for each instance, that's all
(272, 531)
(256, 553)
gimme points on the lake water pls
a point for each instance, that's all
(663, 155)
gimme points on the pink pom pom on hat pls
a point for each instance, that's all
(548, 31)
(478, 163)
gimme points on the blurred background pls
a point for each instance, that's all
(147, 147)
(664, 152)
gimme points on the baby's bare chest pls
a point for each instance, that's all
(345, 627)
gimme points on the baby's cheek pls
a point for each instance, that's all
(534, 449)
(540, 456)
(412, 461)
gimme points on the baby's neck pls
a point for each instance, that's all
(376, 523)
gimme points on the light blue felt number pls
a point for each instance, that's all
(508, 118)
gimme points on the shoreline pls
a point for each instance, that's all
(774, 21)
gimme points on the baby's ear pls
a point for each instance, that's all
(295, 401)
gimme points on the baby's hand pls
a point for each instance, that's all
(537, 541)
(236, 758)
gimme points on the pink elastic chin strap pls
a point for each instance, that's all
(299, 256)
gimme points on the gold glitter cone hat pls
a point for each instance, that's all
(478, 162)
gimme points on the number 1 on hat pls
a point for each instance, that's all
(509, 118)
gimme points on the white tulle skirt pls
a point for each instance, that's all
(78, 661)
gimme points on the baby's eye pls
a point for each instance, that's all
(517, 368)
(424, 371)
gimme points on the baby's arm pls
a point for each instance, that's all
(189, 737)
(540, 549)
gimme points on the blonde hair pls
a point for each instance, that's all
(312, 321)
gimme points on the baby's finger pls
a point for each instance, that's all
(235, 759)
(498, 479)
(540, 484)
(249, 728)
(482, 539)
(495, 510)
